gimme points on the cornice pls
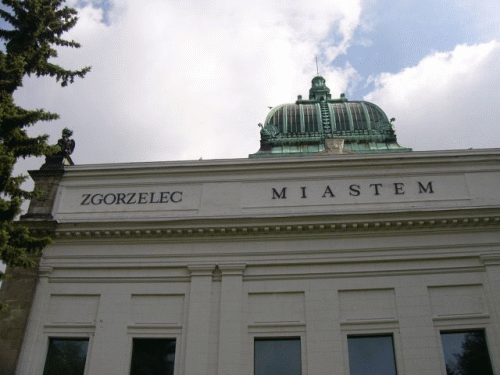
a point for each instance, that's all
(491, 259)
(268, 275)
(486, 158)
(275, 227)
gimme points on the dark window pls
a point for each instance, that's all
(466, 352)
(153, 357)
(277, 357)
(371, 355)
(66, 356)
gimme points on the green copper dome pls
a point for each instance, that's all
(301, 128)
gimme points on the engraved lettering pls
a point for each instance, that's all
(303, 192)
(120, 197)
(131, 196)
(281, 195)
(354, 190)
(86, 198)
(398, 188)
(152, 198)
(376, 186)
(143, 198)
(428, 188)
(329, 192)
(99, 199)
(178, 199)
(109, 201)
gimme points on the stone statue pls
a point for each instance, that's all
(268, 131)
(67, 145)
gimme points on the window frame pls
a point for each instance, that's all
(460, 329)
(371, 335)
(462, 323)
(65, 336)
(371, 329)
(268, 335)
(278, 339)
(151, 335)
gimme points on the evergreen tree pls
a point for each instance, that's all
(36, 27)
(474, 358)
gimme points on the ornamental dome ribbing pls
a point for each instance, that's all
(301, 128)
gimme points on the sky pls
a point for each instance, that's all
(191, 79)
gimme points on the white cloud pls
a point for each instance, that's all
(183, 79)
(449, 100)
(180, 79)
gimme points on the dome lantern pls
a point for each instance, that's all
(319, 91)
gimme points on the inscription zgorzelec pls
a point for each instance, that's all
(131, 198)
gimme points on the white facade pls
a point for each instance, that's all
(216, 254)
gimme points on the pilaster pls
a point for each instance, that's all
(492, 264)
(230, 334)
(197, 337)
(34, 345)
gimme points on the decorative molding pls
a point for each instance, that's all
(67, 329)
(441, 318)
(490, 259)
(265, 276)
(170, 326)
(70, 325)
(275, 327)
(362, 273)
(326, 227)
(454, 321)
(114, 279)
(155, 330)
(44, 271)
(232, 269)
(369, 324)
(201, 269)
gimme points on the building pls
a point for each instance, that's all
(332, 250)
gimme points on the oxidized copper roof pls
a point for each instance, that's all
(301, 128)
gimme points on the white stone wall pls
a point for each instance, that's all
(215, 310)
(218, 274)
